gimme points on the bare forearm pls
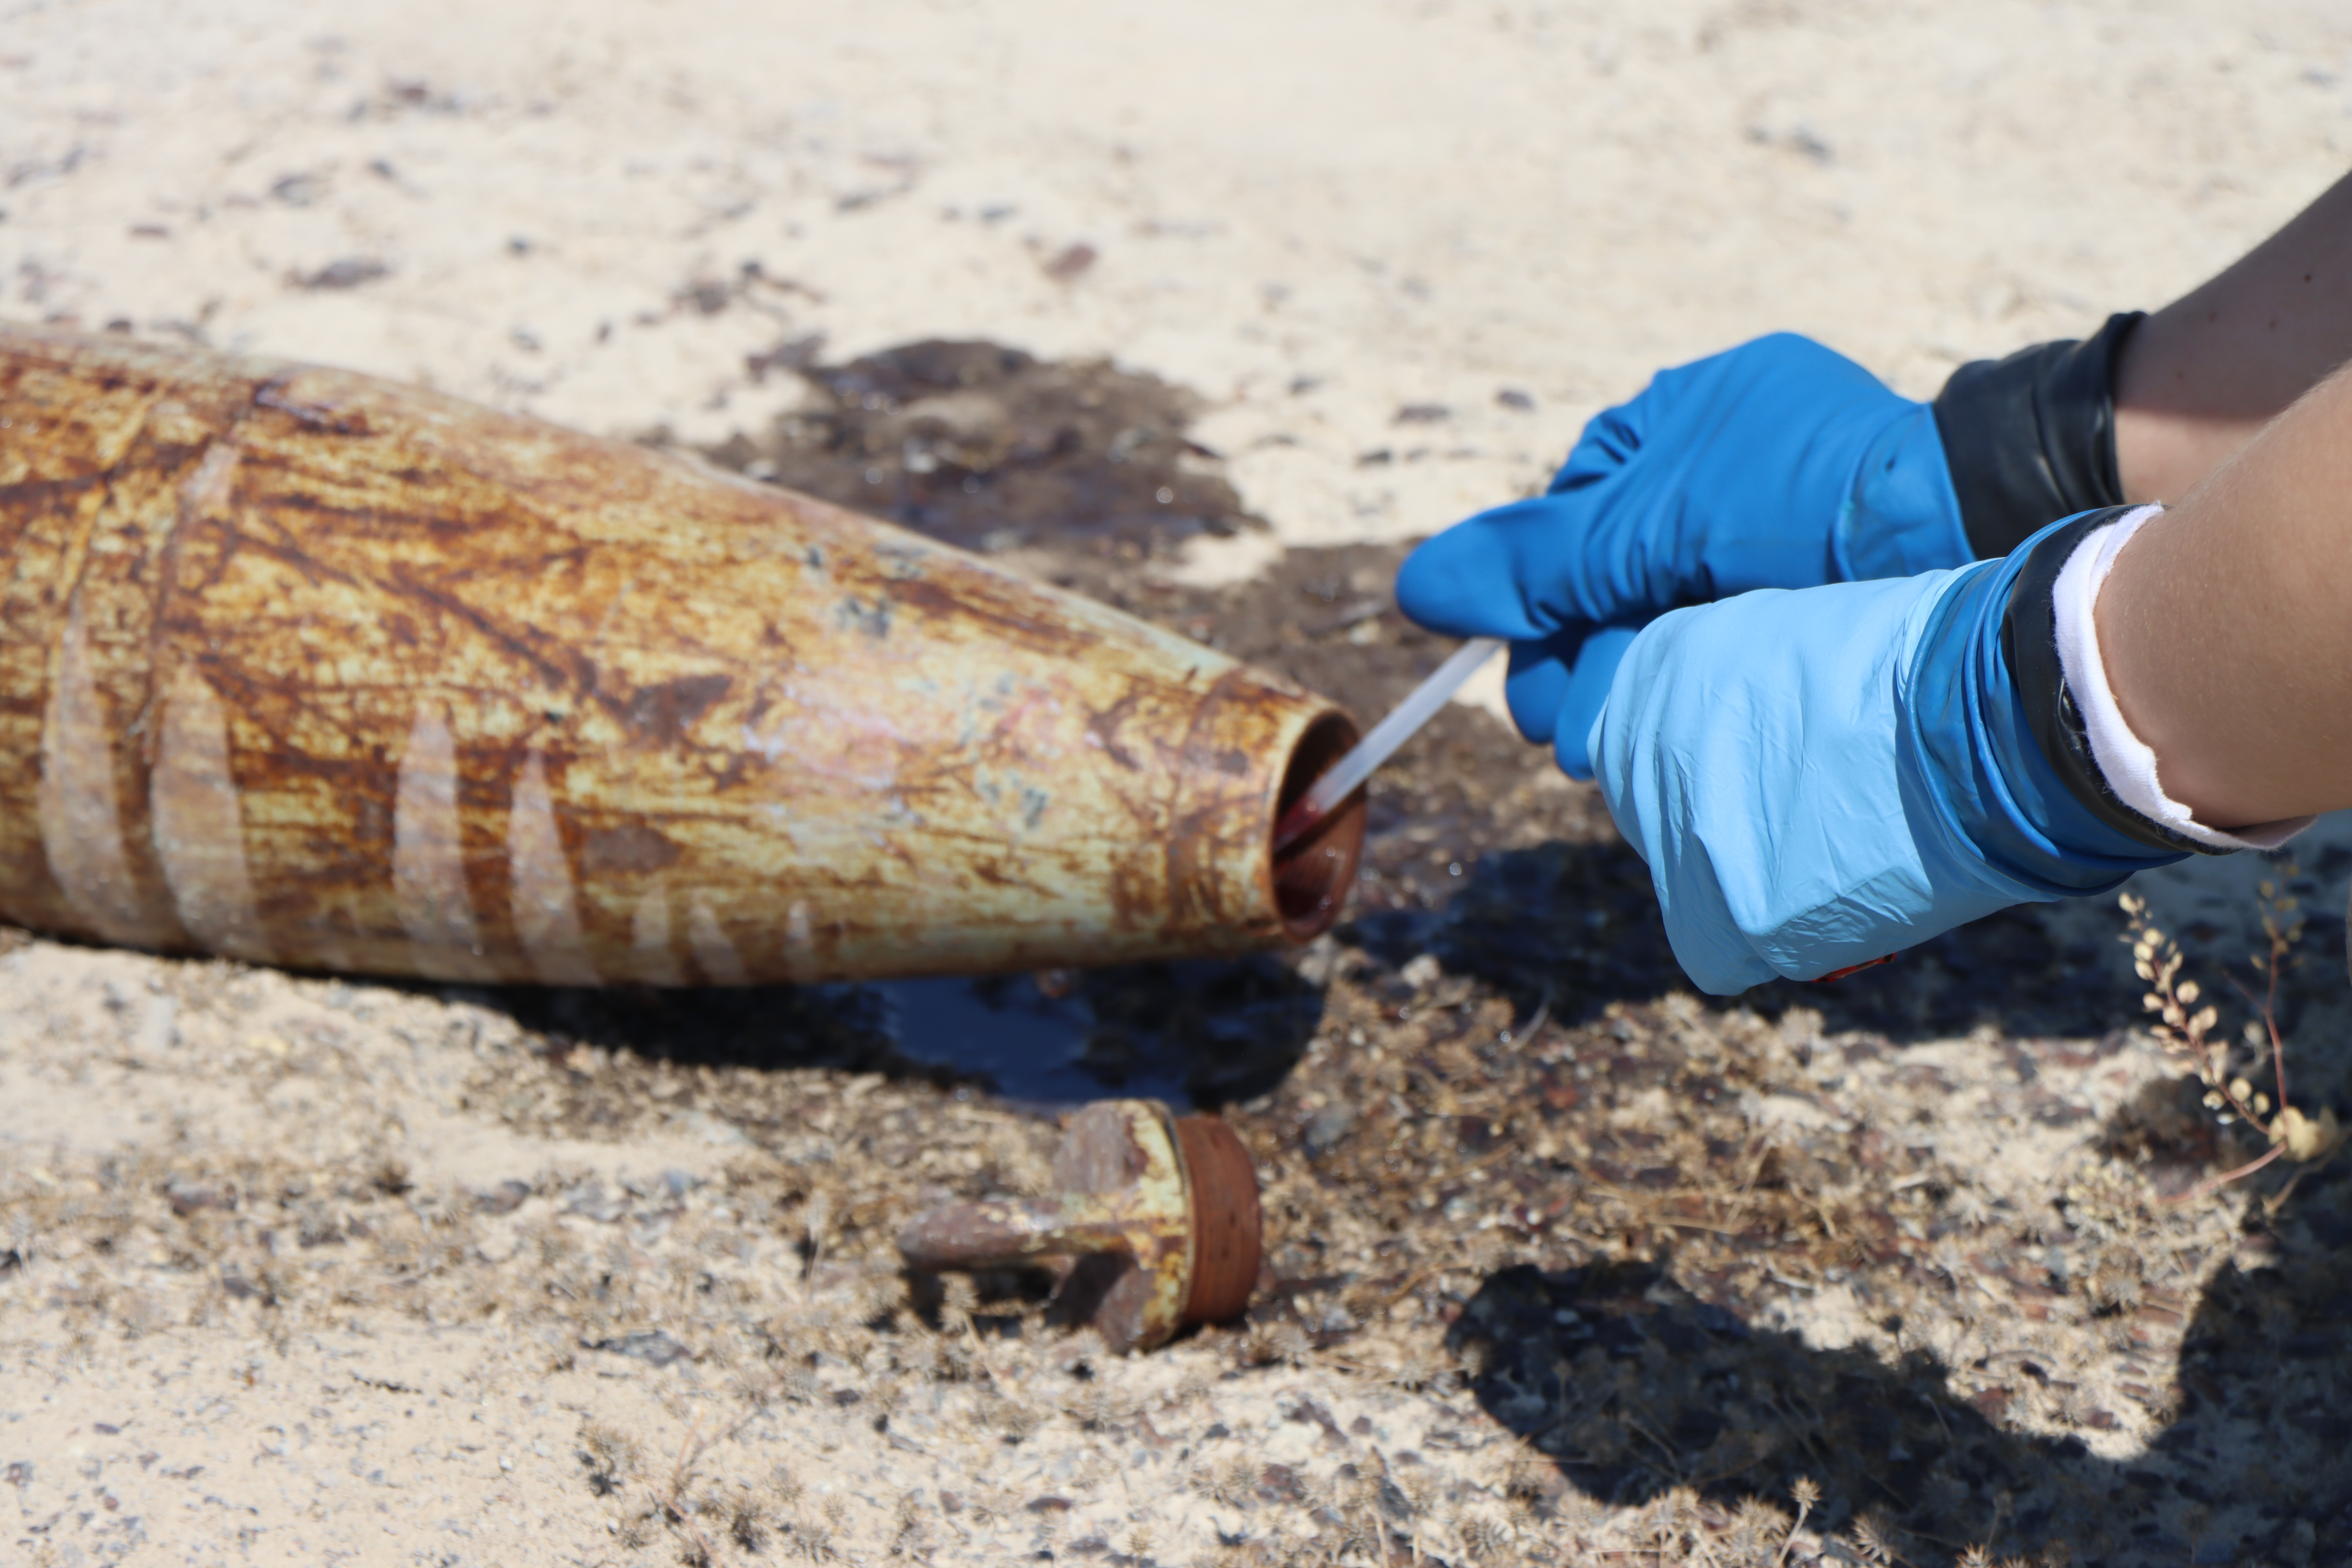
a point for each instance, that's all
(2226, 625)
(2200, 377)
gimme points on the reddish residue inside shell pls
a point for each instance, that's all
(1313, 874)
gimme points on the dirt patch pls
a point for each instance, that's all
(986, 448)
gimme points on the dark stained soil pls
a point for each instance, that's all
(988, 448)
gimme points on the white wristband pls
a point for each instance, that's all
(2123, 757)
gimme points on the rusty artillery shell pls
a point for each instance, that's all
(1159, 1217)
(314, 670)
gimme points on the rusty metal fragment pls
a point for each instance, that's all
(1158, 1219)
(314, 670)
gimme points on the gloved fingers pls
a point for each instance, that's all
(1513, 570)
(1815, 780)
(1555, 687)
(1535, 682)
(1492, 575)
(1734, 472)
(1583, 692)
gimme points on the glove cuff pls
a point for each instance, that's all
(2052, 645)
(2032, 436)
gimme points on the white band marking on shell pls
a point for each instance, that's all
(81, 821)
(545, 903)
(199, 827)
(719, 962)
(428, 863)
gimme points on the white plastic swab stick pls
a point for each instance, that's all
(1390, 733)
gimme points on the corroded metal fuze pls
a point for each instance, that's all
(1157, 1217)
(310, 669)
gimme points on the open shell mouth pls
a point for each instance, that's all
(1312, 878)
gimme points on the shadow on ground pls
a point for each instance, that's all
(1632, 1385)
(1201, 1033)
(1579, 920)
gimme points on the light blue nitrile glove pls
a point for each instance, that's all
(1780, 464)
(1821, 777)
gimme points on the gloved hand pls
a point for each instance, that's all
(1819, 778)
(1780, 464)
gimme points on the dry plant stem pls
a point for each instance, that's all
(689, 1454)
(2279, 944)
(2212, 1185)
(1805, 1494)
(2158, 960)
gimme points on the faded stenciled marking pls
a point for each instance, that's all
(1014, 799)
(649, 948)
(81, 821)
(429, 866)
(198, 827)
(546, 905)
(854, 613)
(713, 953)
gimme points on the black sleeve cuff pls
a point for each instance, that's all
(2028, 641)
(2031, 438)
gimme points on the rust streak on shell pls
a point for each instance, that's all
(654, 961)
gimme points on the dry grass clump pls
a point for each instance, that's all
(610, 1455)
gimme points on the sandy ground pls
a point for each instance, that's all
(294, 1270)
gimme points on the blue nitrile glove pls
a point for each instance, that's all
(1780, 464)
(1819, 778)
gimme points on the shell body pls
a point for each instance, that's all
(314, 670)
